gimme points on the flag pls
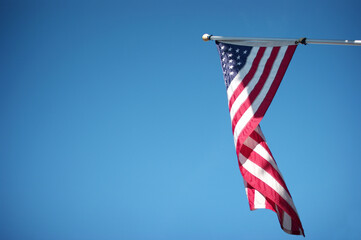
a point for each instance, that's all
(252, 75)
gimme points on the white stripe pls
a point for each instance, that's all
(265, 43)
(287, 221)
(260, 150)
(249, 113)
(239, 77)
(248, 89)
(267, 178)
(276, 207)
(246, 186)
(259, 200)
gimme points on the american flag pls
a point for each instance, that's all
(252, 75)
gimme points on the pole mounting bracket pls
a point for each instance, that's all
(302, 41)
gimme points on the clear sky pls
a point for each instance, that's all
(114, 121)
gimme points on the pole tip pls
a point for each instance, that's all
(206, 37)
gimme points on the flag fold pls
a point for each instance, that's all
(252, 75)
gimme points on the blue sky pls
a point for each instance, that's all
(114, 121)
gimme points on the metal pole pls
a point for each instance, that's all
(207, 37)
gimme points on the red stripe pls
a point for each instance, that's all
(248, 77)
(295, 228)
(270, 205)
(250, 195)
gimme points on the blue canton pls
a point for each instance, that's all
(233, 59)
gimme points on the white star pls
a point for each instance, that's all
(231, 60)
(237, 50)
(222, 53)
(231, 73)
(231, 67)
(230, 55)
(239, 63)
(238, 57)
(223, 59)
(222, 47)
(230, 49)
(245, 51)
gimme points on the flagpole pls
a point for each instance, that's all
(207, 37)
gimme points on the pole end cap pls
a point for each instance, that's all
(206, 37)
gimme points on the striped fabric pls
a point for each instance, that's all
(252, 76)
